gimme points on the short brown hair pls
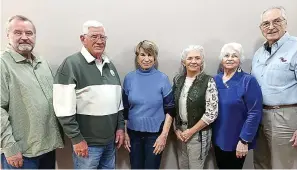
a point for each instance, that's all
(150, 48)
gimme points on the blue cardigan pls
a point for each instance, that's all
(240, 111)
(147, 96)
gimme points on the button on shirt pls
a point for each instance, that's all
(276, 71)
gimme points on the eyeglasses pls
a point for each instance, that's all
(276, 22)
(96, 37)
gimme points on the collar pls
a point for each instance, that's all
(18, 57)
(90, 58)
(280, 42)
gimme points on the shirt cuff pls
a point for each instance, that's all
(206, 119)
(77, 139)
(12, 150)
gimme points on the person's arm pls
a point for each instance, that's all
(126, 106)
(64, 101)
(253, 101)
(10, 147)
(293, 66)
(120, 134)
(8, 142)
(211, 110)
(168, 105)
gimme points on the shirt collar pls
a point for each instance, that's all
(19, 58)
(90, 58)
(280, 42)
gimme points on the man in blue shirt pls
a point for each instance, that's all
(275, 67)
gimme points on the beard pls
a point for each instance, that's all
(25, 47)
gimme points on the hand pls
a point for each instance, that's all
(119, 138)
(294, 139)
(127, 142)
(15, 160)
(81, 149)
(187, 134)
(241, 149)
(178, 135)
(160, 144)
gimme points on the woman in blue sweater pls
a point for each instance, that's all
(240, 110)
(148, 103)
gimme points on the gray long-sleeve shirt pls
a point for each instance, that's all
(28, 122)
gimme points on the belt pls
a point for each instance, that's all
(279, 107)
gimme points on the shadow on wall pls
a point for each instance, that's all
(123, 61)
(212, 51)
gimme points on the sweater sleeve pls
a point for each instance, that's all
(125, 94)
(253, 101)
(168, 99)
(8, 143)
(64, 101)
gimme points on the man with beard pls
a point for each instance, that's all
(275, 67)
(88, 101)
(29, 129)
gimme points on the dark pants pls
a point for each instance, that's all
(141, 155)
(228, 159)
(45, 161)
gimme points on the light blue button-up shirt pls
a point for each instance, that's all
(276, 72)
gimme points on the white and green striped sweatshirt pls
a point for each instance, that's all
(87, 99)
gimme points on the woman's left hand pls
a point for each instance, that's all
(160, 144)
(241, 149)
(187, 134)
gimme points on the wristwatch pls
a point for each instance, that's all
(243, 141)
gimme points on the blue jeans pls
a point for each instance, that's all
(100, 157)
(45, 161)
(141, 155)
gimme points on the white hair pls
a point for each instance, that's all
(190, 48)
(230, 48)
(186, 51)
(91, 23)
(282, 9)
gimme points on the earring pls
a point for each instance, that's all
(239, 69)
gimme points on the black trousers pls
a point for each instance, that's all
(228, 159)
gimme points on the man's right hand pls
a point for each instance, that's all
(15, 160)
(81, 149)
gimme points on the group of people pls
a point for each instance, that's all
(231, 112)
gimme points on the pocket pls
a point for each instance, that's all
(279, 74)
(290, 117)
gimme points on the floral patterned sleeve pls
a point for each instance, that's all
(211, 102)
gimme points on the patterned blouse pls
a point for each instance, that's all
(211, 98)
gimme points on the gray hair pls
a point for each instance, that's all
(282, 9)
(21, 18)
(184, 54)
(230, 48)
(91, 23)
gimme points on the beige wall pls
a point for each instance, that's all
(171, 24)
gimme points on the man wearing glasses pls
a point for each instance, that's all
(275, 67)
(88, 101)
